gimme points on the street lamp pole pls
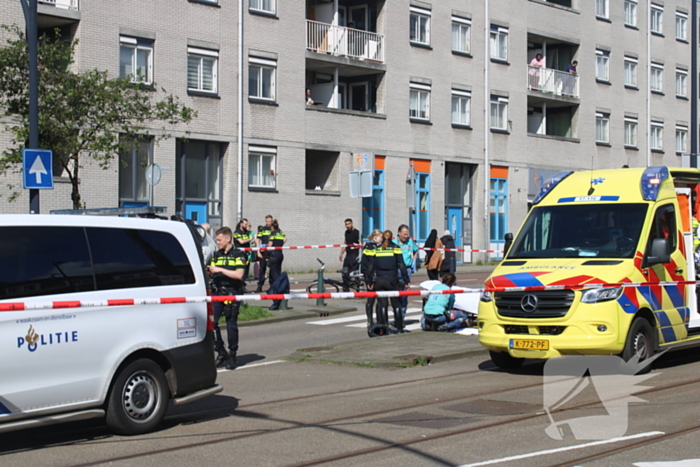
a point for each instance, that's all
(30, 17)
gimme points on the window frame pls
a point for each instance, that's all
(682, 22)
(683, 132)
(419, 14)
(631, 7)
(499, 101)
(262, 65)
(656, 20)
(461, 95)
(273, 11)
(630, 136)
(634, 65)
(260, 153)
(136, 44)
(683, 82)
(203, 54)
(656, 78)
(419, 89)
(462, 23)
(137, 173)
(606, 7)
(605, 55)
(602, 118)
(497, 35)
(656, 141)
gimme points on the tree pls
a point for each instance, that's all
(87, 115)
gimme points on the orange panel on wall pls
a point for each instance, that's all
(499, 172)
(379, 162)
(421, 165)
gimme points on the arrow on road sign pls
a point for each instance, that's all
(38, 169)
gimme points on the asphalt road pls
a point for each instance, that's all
(276, 412)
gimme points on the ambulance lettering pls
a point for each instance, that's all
(33, 339)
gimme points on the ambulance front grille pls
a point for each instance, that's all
(550, 303)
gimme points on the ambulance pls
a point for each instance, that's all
(585, 231)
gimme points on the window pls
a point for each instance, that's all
(681, 82)
(681, 26)
(461, 107)
(631, 132)
(602, 9)
(602, 65)
(499, 43)
(136, 59)
(681, 139)
(373, 207)
(631, 13)
(419, 219)
(602, 127)
(137, 258)
(44, 261)
(664, 224)
(202, 70)
(657, 136)
(261, 78)
(133, 189)
(420, 102)
(461, 34)
(631, 71)
(261, 167)
(499, 113)
(657, 77)
(268, 6)
(420, 26)
(657, 19)
(498, 211)
(199, 176)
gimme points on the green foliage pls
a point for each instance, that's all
(81, 115)
(250, 313)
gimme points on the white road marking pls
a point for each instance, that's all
(409, 315)
(243, 367)
(349, 319)
(297, 290)
(564, 449)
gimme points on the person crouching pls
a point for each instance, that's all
(439, 313)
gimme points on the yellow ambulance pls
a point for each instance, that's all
(561, 288)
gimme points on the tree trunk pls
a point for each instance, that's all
(75, 192)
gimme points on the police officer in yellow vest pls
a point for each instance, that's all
(385, 262)
(261, 241)
(226, 270)
(275, 257)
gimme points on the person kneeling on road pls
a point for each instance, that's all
(438, 312)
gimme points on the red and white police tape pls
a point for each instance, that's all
(46, 305)
(356, 246)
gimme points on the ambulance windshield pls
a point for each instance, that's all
(581, 230)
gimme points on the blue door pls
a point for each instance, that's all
(454, 225)
(196, 211)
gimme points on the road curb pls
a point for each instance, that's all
(296, 315)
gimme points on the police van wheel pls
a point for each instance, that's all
(138, 399)
(505, 361)
(640, 339)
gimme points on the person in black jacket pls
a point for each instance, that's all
(449, 264)
(368, 252)
(384, 266)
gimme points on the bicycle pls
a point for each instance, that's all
(355, 282)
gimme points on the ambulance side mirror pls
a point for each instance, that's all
(659, 253)
(509, 241)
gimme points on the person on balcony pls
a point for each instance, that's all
(537, 62)
(571, 80)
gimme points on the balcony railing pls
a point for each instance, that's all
(67, 4)
(547, 80)
(344, 42)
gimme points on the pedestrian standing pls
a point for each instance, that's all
(277, 238)
(433, 258)
(368, 252)
(243, 238)
(226, 270)
(384, 267)
(449, 264)
(351, 251)
(409, 249)
(261, 240)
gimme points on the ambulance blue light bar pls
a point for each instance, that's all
(554, 181)
(652, 179)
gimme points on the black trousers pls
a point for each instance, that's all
(275, 265)
(230, 311)
(385, 283)
(350, 264)
(433, 274)
(261, 271)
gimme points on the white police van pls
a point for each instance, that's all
(123, 363)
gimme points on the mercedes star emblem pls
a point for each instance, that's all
(529, 303)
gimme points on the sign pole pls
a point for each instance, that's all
(30, 18)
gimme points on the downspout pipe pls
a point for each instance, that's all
(239, 210)
(487, 125)
(694, 84)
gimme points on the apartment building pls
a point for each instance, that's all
(437, 100)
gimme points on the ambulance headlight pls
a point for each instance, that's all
(486, 296)
(601, 295)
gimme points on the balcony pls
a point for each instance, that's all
(554, 82)
(66, 4)
(340, 41)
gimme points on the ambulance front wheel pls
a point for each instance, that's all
(640, 340)
(138, 399)
(505, 361)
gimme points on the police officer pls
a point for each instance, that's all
(275, 257)
(226, 270)
(243, 238)
(261, 240)
(384, 267)
(368, 252)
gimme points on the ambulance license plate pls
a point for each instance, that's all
(529, 344)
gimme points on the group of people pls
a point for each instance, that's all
(228, 269)
(535, 74)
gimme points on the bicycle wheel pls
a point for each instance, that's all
(328, 287)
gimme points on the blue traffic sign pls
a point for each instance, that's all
(37, 169)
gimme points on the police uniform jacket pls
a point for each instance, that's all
(232, 260)
(277, 237)
(385, 262)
